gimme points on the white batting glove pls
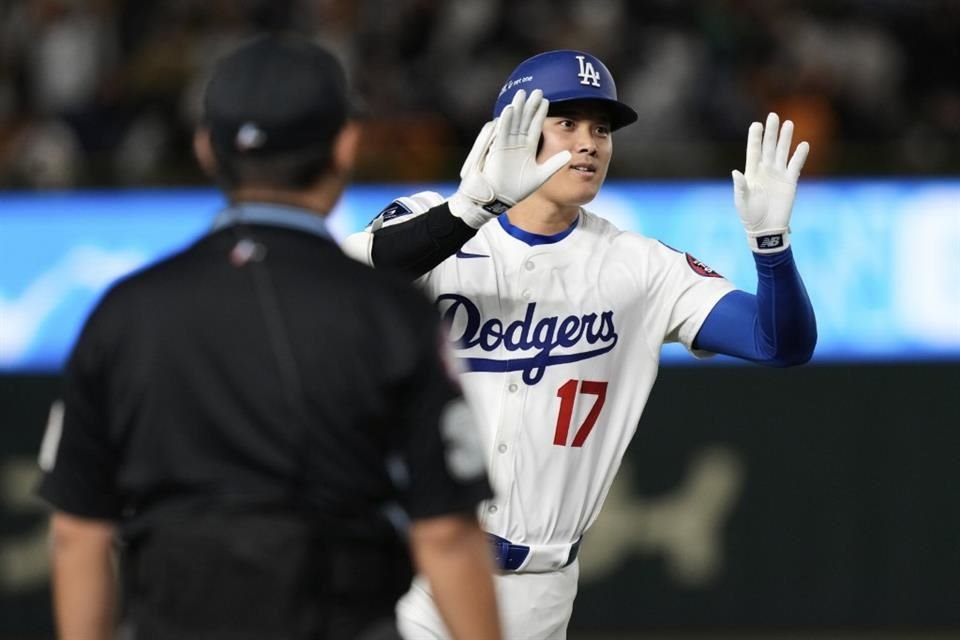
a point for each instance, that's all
(501, 168)
(765, 192)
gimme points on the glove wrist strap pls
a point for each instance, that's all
(769, 240)
(475, 214)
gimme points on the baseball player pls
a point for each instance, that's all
(558, 317)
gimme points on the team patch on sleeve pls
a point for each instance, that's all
(393, 210)
(701, 268)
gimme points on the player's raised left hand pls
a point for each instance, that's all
(765, 191)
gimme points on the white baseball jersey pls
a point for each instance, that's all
(559, 341)
(559, 338)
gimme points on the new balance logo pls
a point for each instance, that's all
(588, 75)
(496, 207)
(769, 242)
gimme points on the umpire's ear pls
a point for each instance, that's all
(345, 147)
(203, 150)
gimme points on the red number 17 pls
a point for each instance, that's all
(568, 394)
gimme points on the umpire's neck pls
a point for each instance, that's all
(318, 198)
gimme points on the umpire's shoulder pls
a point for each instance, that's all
(141, 277)
(394, 315)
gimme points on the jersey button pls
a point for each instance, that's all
(512, 387)
(527, 294)
(529, 265)
(492, 508)
(502, 448)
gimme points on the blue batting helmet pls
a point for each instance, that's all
(567, 75)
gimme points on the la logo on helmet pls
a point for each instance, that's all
(588, 75)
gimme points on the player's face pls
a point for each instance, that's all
(584, 131)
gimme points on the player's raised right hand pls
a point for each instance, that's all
(501, 168)
(765, 191)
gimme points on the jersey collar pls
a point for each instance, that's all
(273, 215)
(534, 239)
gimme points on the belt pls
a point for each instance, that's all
(540, 558)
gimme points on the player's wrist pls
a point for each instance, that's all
(769, 241)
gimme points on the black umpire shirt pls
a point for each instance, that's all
(255, 381)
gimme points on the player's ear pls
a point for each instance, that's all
(345, 147)
(203, 150)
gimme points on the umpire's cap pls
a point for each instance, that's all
(276, 93)
(565, 75)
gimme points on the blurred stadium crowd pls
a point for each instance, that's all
(106, 92)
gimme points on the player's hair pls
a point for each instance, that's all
(294, 169)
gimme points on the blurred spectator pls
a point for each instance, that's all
(65, 52)
(104, 92)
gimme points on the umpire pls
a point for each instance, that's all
(263, 427)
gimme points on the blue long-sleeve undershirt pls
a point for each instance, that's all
(776, 327)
